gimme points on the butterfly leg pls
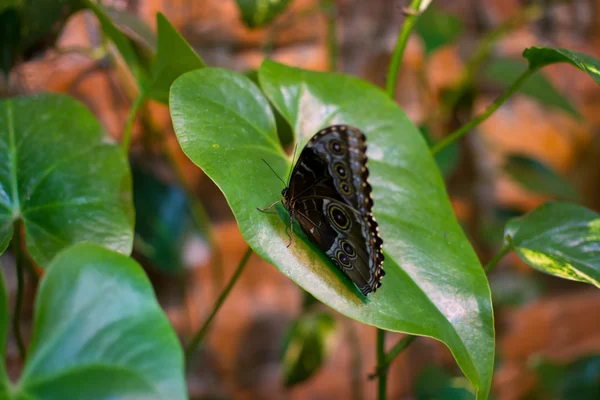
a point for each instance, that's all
(268, 208)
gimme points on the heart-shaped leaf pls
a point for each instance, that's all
(174, 57)
(434, 284)
(99, 333)
(62, 176)
(505, 71)
(539, 57)
(561, 239)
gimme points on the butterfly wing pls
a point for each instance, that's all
(330, 197)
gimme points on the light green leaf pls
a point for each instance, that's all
(538, 177)
(100, 333)
(561, 239)
(174, 57)
(437, 28)
(505, 71)
(62, 176)
(256, 13)
(434, 285)
(539, 57)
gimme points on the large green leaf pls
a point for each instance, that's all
(434, 285)
(173, 58)
(100, 333)
(256, 13)
(579, 380)
(62, 176)
(538, 177)
(561, 239)
(539, 57)
(505, 71)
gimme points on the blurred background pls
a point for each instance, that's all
(271, 340)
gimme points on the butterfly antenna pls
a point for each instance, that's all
(271, 168)
(293, 161)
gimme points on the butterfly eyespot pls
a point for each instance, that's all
(345, 188)
(348, 249)
(336, 147)
(343, 259)
(338, 217)
(340, 170)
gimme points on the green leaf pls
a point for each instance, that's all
(578, 380)
(561, 239)
(4, 380)
(448, 158)
(62, 176)
(10, 31)
(100, 333)
(132, 27)
(437, 28)
(137, 64)
(307, 346)
(42, 21)
(539, 57)
(433, 383)
(504, 71)
(256, 13)
(538, 177)
(163, 221)
(174, 57)
(434, 284)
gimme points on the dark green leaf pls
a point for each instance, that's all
(505, 71)
(256, 13)
(10, 32)
(307, 346)
(448, 158)
(4, 380)
(437, 28)
(433, 383)
(539, 57)
(579, 380)
(163, 221)
(538, 177)
(100, 333)
(434, 284)
(138, 65)
(174, 57)
(42, 21)
(561, 239)
(62, 176)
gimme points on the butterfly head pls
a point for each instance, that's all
(284, 193)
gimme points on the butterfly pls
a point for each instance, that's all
(328, 193)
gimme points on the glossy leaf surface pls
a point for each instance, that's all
(62, 176)
(541, 56)
(561, 239)
(434, 285)
(99, 333)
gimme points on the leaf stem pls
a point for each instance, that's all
(126, 138)
(463, 130)
(328, 7)
(398, 348)
(506, 247)
(18, 253)
(396, 62)
(197, 339)
(381, 365)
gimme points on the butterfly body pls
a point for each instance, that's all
(329, 195)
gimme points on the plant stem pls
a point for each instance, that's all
(396, 62)
(398, 348)
(506, 247)
(328, 7)
(381, 365)
(463, 130)
(126, 138)
(191, 348)
(18, 253)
